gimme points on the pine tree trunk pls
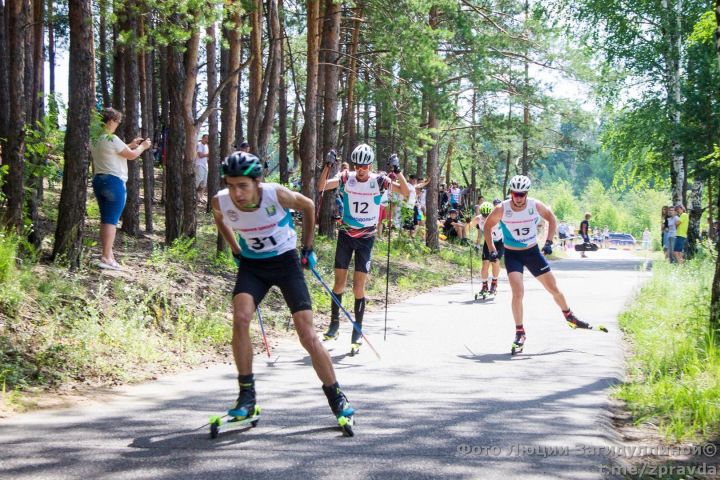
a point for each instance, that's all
(350, 132)
(213, 182)
(283, 110)
(255, 75)
(175, 144)
(308, 137)
(103, 54)
(230, 94)
(432, 238)
(272, 80)
(165, 119)
(13, 156)
(331, 40)
(4, 87)
(118, 91)
(51, 62)
(37, 89)
(147, 130)
(189, 199)
(131, 214)
(81, 104)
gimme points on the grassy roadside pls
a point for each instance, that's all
(674, 370)
(168, 309)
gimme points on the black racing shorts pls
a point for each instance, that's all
(362, 247)
(256, 275)
(531, 258)
(499, 246)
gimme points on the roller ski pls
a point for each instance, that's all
(341, 408)
(575, 323)
(485, 293)
(245, 412)
(518, 344)
(333, 330)
(355, 341)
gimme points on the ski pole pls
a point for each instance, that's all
(262, 329)
(472, 254)
(339, 304)
(387, 272)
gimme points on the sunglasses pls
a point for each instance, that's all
(519, 194)
(362, 167)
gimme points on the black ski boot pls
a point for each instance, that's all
(340, 407)
(245, 406)
(333, 330)
(519, 342)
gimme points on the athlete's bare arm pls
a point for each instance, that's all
(324, 183)
(546, 213)
(402, 185)
(224, 230)
(490, 222)
(298, 201)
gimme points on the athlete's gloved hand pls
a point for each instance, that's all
(547, 249)
(394, 163)
(236, 257)
(331, 158)
(308, 258)
(493, 256)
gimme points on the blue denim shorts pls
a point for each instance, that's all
(111, 195)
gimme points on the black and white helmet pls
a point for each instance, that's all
(520, 183)
(362, 155)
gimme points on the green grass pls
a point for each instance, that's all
(58, 327)
(675, 368)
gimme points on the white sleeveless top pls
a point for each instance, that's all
(519, 229)
(497, 234)
(361, 201)
(266, 232)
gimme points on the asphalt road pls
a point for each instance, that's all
(446, 399)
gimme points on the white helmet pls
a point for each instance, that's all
(362, 155)
(519, 183)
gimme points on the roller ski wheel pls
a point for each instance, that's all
(333, 331)
(355, 349)
(518, 344)
(346, 425)
(220, 424)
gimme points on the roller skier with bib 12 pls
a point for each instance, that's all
(361, 192)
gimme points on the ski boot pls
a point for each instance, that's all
(574, 322)
(483, 293)
(245, 406)
(355, 342)
(519, 343)
(333, 330)
(245, 412)
(341, 408)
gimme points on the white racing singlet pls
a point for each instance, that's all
(266, 232)
(361, 201)
(519, 229)
(497, 234)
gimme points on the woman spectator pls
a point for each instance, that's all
(110, 156)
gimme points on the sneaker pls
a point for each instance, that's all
(108, 264)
